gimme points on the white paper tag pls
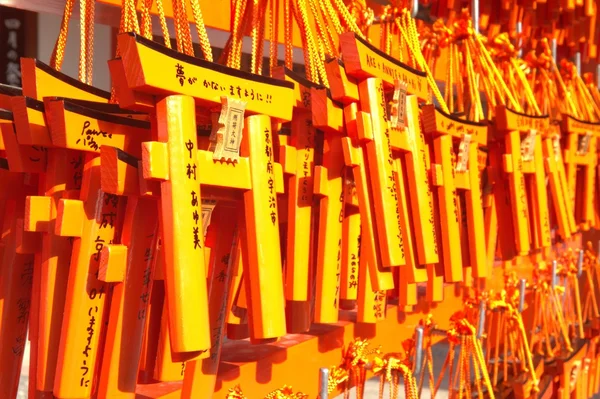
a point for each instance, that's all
(208, 206)
(528, 145)
(398, 105)
(226, 135)
(584, 144)
(462, 163)
(556, 147)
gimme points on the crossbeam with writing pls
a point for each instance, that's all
(348, 90)
(381, 169)
(355, 54)
(204, 81)
(524, 156)
(362, 60)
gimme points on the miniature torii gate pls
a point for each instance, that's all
(523, 163)
(460, 174)
(555, 168)
(204, 83)
(362, 61)
(253, 176)
(580, 159)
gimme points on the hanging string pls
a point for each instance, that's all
(261, 36)
(286, 392)
(235, 393)
(407, 27)
(188, 45)
(201, 29)
(389, 368)
(89, 60)
(146, 22)
(288, 38)
(183, 34)
(254, 34)
(178, 28)
(130, 23)
(331, 19)
(515, 337)
(274, 33)
(324, 44)
(354, 360)
(463, 333)
(337, 377)
(549, 318)
(83, 30)
(163, 23)
(347, 18)
(568, 271)
(311, 61)
(231, 55)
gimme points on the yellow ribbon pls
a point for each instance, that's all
(286, 392)
(235, 393)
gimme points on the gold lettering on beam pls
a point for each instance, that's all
(76, 127)
(155, 69)
(507, 120)
(362, 60)
(437, 121)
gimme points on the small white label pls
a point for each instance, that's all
(226, 135)
(462, 163)
(584, 144)
(528, 145)
(398, 106)
(556, 147)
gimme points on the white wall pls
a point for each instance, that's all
(48, 28)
